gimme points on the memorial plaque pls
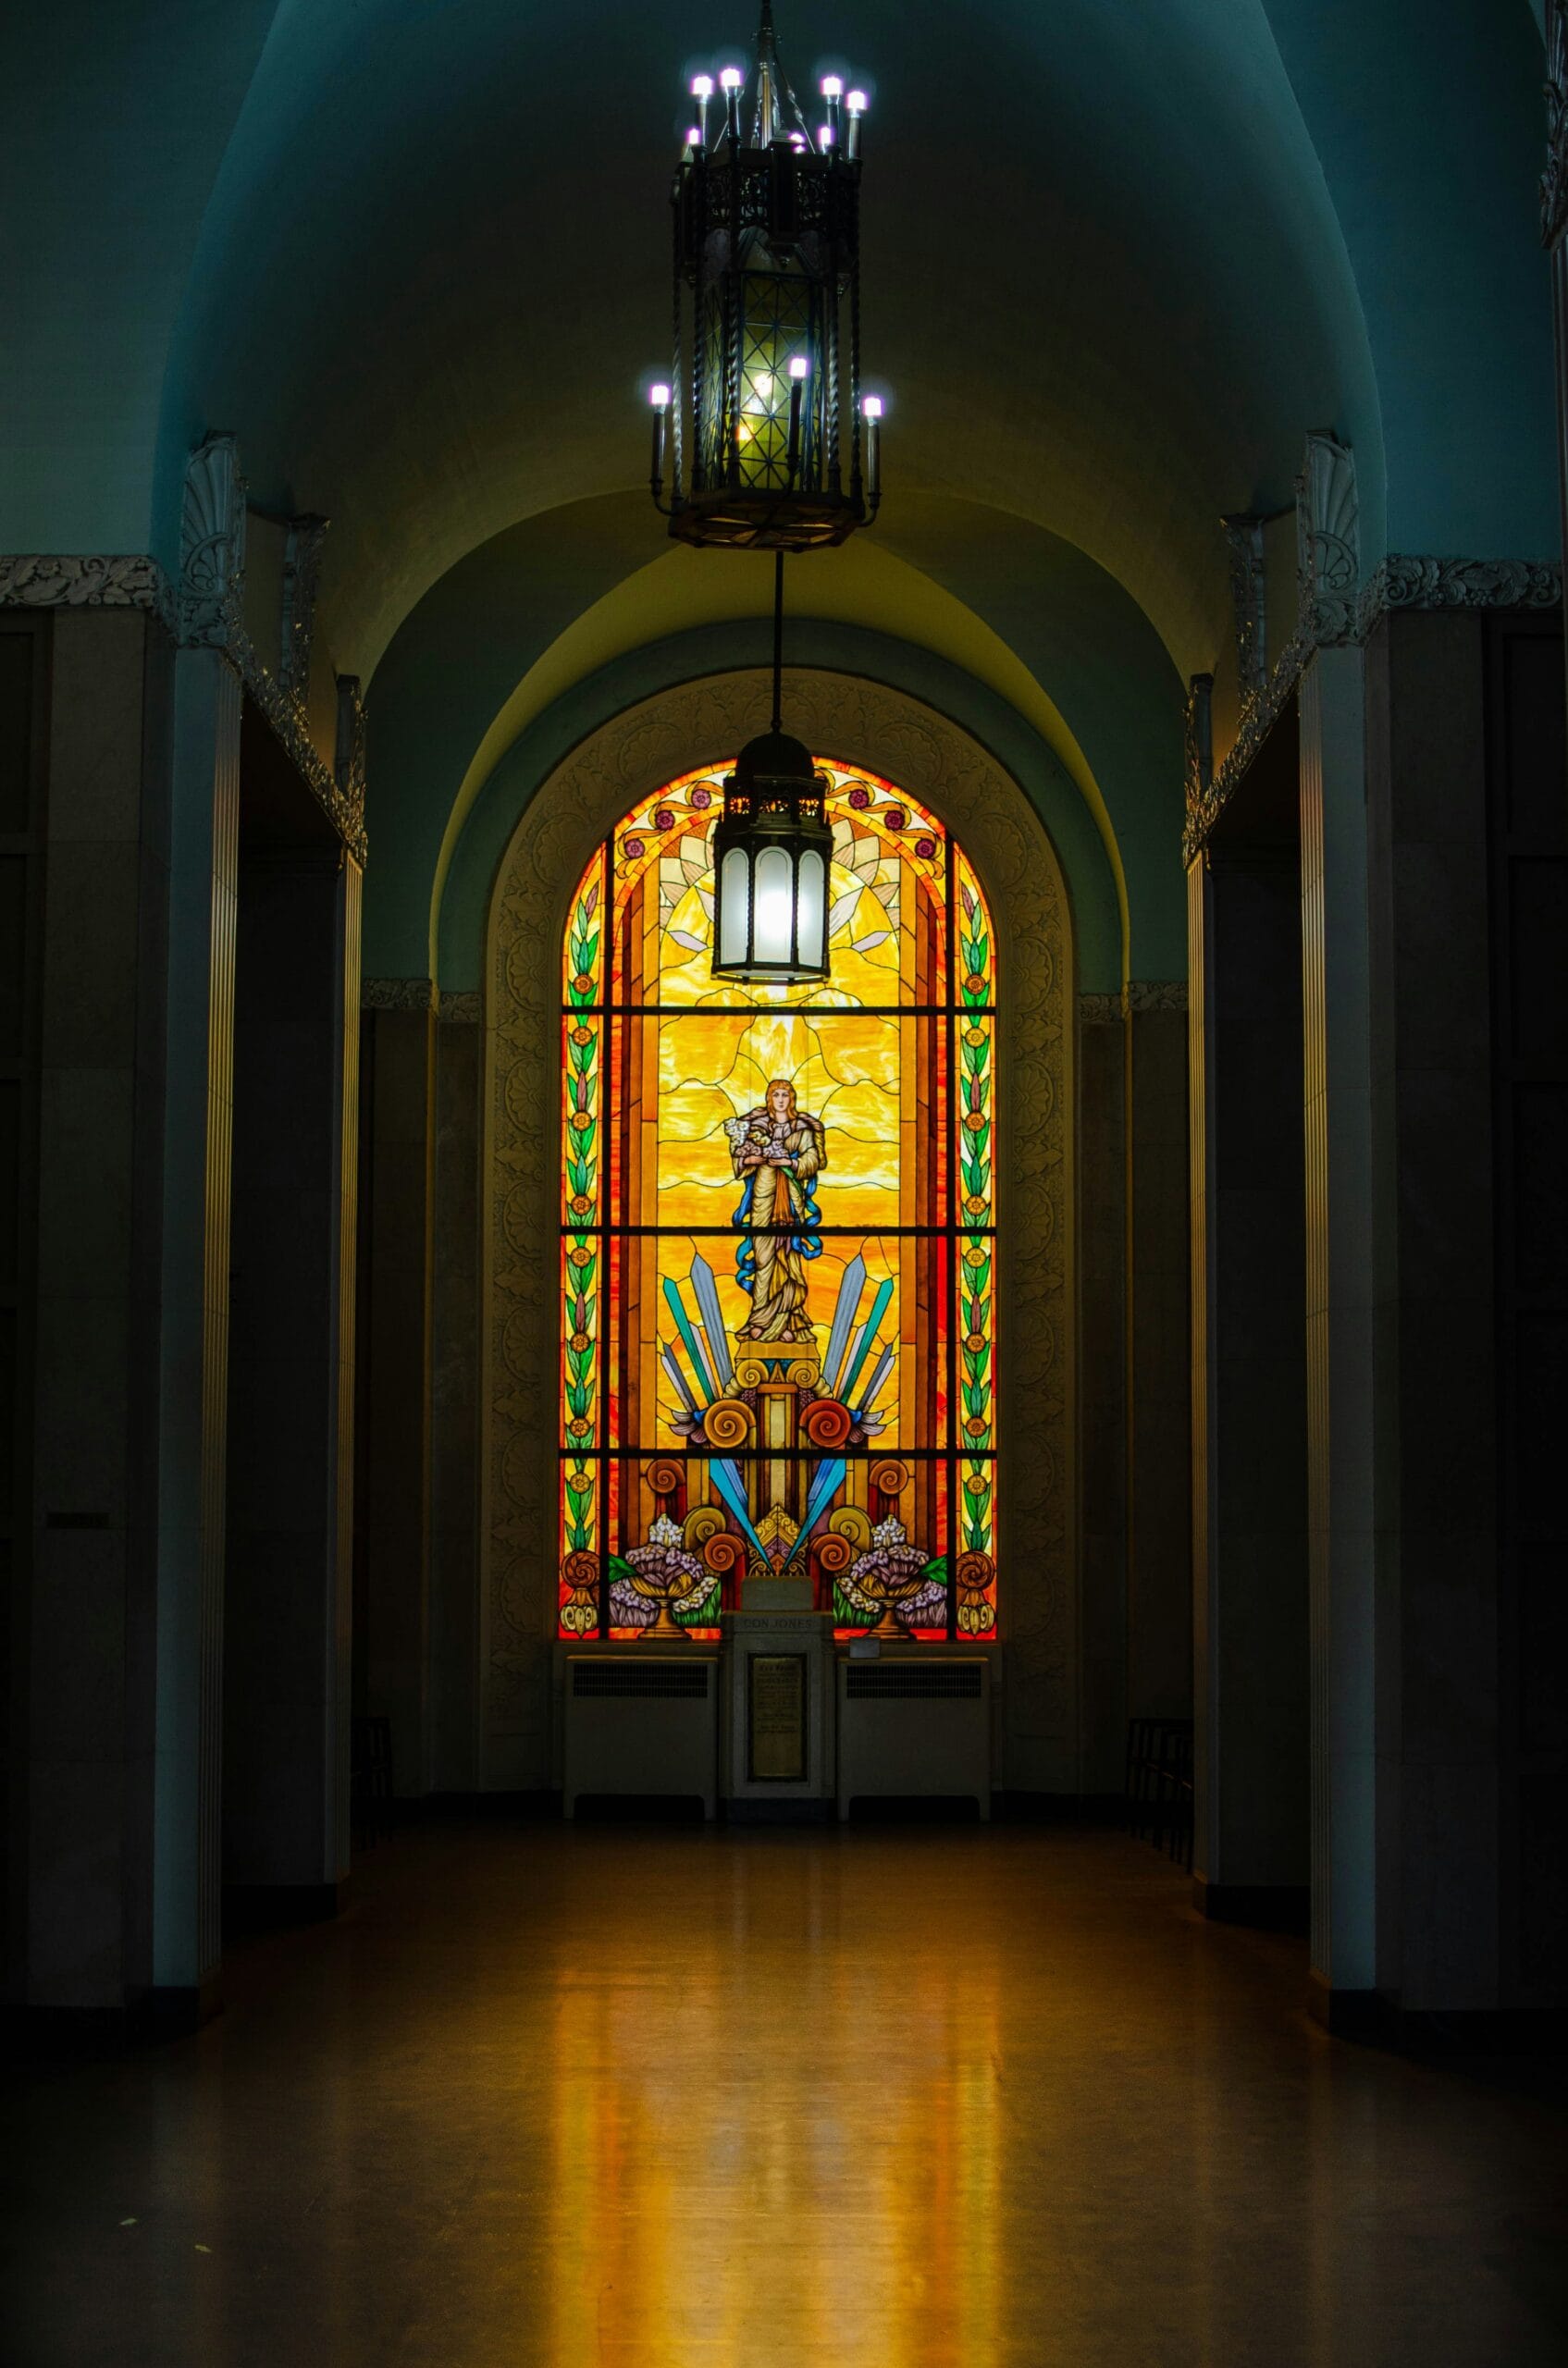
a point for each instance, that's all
(776, 1718)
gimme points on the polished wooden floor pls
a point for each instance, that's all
(885, 2099)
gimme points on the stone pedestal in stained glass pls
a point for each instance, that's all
(791, 1593)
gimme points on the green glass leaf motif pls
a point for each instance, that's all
(701, 1615)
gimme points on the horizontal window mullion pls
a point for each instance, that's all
(791, 1010)
(955, 1231)
(873, 1451)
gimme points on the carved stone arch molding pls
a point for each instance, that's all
(679, 732)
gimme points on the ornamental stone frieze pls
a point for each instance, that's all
(1100, 1011)
(1335, 608)
(1138, 995)
(397, 994)
(1407, 580)
(88, 580)
(203, 609)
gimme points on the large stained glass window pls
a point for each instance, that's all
(777, 1242)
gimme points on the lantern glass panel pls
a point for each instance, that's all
(735, 905)
(809, 909)
(780, 320)
(778, 327)
(773, 906)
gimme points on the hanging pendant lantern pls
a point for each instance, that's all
(772, 850)
(772, 445)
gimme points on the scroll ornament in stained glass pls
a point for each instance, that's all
(778, 1248)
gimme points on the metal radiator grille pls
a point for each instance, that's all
(602, 1681)
(899, 1682)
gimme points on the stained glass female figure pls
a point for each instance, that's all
(779, 1150)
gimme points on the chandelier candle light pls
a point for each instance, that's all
(767, 282)
(767, 321)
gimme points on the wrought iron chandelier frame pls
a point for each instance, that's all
(766, 328)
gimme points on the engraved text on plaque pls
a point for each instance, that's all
(776, 1718)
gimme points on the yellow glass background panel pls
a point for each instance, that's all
(715, 1066)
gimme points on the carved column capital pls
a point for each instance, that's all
(349, 765)
(301, 569)
(1554, 179)
(1328, 542)
(1243, 535)
(1199, 741)
(212, 544)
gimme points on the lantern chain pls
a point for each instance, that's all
(778, 640)
(855, 376)
(830, 343)
(676, 389)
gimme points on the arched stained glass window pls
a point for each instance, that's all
(778, 1249)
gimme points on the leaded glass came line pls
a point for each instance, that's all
(778, 1239)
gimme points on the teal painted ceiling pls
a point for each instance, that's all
(1120, 255)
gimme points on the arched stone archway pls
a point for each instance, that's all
(909, 743)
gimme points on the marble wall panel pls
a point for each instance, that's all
(284, 1757)
(1251, 1678)
(1159, 1477)
(83, 1794)
(1437, 1637)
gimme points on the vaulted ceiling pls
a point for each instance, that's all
(1118, 259)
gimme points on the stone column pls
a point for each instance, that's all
(135, 1012)
(193, 1320)
(1342, 1413)
(1248, 1474)
(393, 1589)
(454, 1408)
(1528, 817)
(1160, 1655)
(1103, 1359)
(286, 1725)
(85, 762)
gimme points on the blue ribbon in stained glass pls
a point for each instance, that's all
(802, 1240)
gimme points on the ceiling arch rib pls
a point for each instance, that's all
(539, 610)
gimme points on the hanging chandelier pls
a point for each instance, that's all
(767, 370)
(771, 442)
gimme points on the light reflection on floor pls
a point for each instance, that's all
(883, 2252)
(649, 2099)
